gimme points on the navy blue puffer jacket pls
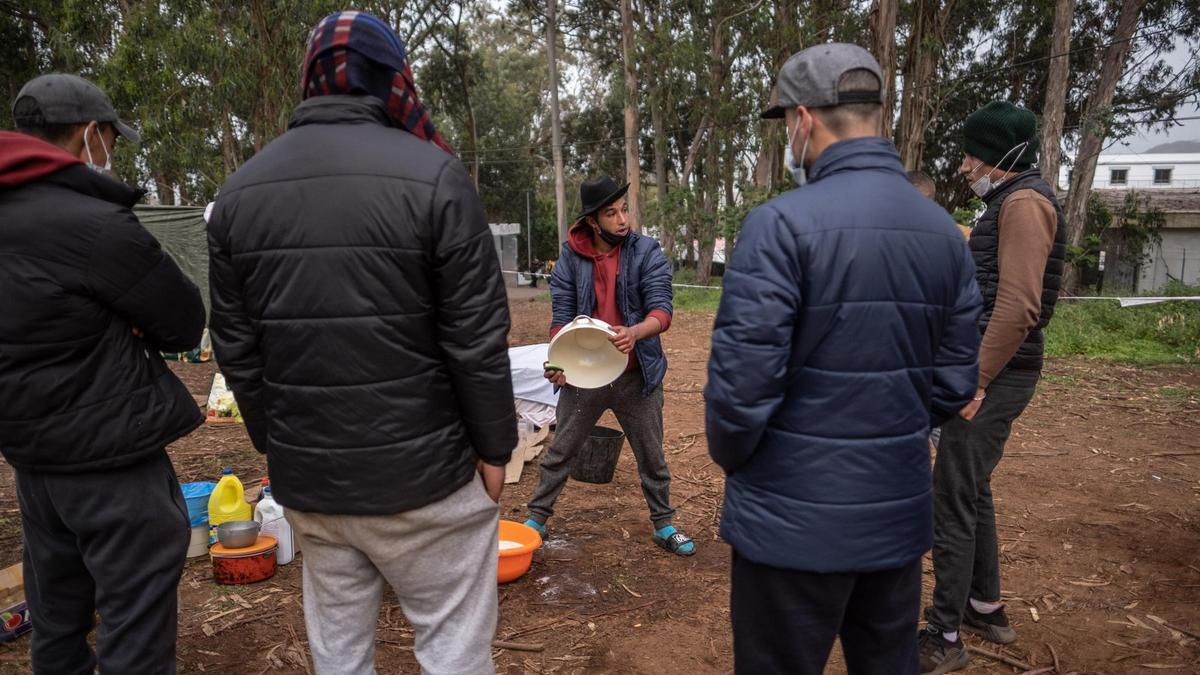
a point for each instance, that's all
(643, 284)
(846, 326)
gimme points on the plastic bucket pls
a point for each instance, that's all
(597, 459)
(198, 545)
(248, 565)
(585, 354)
(196, 496)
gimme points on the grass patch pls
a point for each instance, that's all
(696, 299)
(1058, 379)
(1180, 393)
(1165, 333)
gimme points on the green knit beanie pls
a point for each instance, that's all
(998, 127)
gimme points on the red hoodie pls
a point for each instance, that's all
(605, 268)
(24, 159)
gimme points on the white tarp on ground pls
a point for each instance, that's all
(535, 401)
(528, 374)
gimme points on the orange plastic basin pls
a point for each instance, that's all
(515, 562)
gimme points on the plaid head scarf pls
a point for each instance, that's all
(357, 53)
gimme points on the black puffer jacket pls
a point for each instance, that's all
(359, 314)
(78, 390)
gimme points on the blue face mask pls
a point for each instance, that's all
(799, 174)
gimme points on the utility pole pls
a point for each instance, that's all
(529, 238)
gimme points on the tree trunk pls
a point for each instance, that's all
(1097, 119)
(920, 66)
(1055, 111)
(883, 46)
(666, 231)
(633, 164)
(689, 164)
(706, 233)
(766, 165)
(228, 144)
(770, 153)
(164, 191)
(474, 134)
(560, 189)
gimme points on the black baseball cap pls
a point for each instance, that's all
(810, 78)
(62, 98)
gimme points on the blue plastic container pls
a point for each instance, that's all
(196, 496)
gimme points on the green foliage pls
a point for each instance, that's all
(965, 215)
(210, 82)
(1168, 332)
(1134, 228)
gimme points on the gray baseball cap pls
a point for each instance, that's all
(810, 78)
(62, 98)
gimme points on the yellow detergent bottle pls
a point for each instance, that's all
(227, 502)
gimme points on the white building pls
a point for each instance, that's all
(1170, 183)
(1141, 171)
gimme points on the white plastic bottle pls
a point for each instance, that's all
(274, 524)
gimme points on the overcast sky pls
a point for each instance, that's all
(1188, 130)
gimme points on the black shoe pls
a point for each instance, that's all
(993, 627)
(939, 655)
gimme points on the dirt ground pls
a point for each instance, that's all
(1097, 500)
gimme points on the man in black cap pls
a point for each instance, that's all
(610, 272)
(87, 404)
(846, 328)
(1019, 245)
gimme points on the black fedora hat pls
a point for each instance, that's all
(599, 193)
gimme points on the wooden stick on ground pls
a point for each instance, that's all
(622, 609)
(1182, 630)
(517, 646)
(1000, 657)
(300, 648)
(540, 626)
(1054, 655)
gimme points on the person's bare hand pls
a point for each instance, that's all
(493, 480)
(971, 409)
(625, 339)
(557, 377)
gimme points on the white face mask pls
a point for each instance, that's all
(91, 164)
(799, 174)
(983, 185)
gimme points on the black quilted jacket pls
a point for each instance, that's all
(359, 314)
(79, 391)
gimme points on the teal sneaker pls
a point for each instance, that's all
(541, 529)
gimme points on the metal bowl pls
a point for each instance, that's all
(238, 533)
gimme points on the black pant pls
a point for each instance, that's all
(966, 559)
(785, 621)
(113, 541)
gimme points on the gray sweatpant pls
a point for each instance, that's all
(641, 418)
(441, 561)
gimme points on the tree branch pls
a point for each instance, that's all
(15, 11)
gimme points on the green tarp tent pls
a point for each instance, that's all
(181, 231)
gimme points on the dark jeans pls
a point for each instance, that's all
(112, 541)
(966, 560)
(641, 418)
(785, 621)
